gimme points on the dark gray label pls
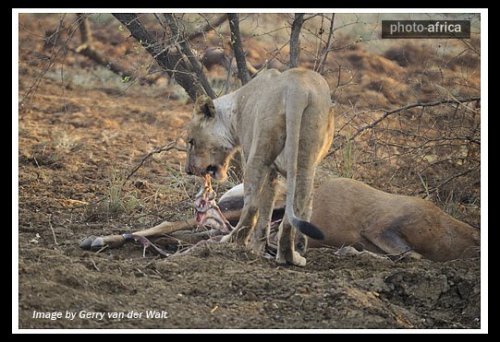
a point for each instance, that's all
(444, 29)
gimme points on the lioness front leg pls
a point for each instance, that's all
(255, 178)
(258, 170)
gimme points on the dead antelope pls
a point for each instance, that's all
(350, 213)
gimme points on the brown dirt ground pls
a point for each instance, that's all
(78, 140)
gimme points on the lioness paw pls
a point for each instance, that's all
(294, 259)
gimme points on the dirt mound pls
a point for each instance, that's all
(410, 54)
(222, 286)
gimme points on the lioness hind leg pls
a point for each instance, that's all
(306, 170)
(258, 237)
(304, 196)
(286, 246)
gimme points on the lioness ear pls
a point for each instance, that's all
(204, 106)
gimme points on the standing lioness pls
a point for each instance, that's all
(283, 123)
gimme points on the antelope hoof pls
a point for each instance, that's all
(98, 243)
(87, 242)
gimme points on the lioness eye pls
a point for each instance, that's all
(191, 142)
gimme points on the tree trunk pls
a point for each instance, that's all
(294, 40)
(84, 27)
(170, 59)
(236, 44)
(186, 50)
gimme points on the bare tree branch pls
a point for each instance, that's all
(168, 59)
(186, 50)
(208, 27)
(328, 46)
(237, 46)
(54, 55)
(410, 106)
(449, 179)
(171, 145)
(294, 39)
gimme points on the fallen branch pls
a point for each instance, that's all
(52, 229)
(86, 48)
(89, 52)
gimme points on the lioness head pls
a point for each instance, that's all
(209, 149)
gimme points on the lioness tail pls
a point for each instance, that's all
(295, 107)
(308, 229)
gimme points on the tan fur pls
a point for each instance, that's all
(283, 123)
(352, 213)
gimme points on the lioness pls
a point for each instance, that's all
(351, 213)
(283, 123)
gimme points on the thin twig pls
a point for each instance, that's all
(424, 185)
(209, 26)
(54, 55)
(410, 106)
(94, 264)
(317, 57)
(102, 249)
(52, 229)
(171, 145)
(322, 63)
(449, 179)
